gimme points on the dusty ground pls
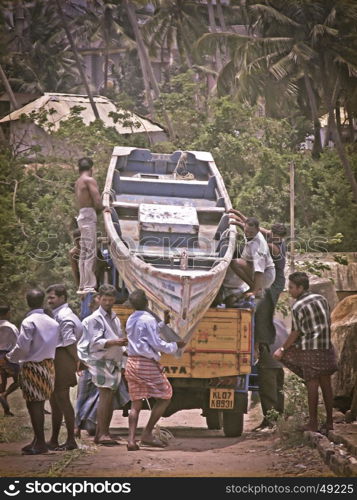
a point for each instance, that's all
(193, 451)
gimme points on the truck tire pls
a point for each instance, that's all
(233, 423)
(214, 420)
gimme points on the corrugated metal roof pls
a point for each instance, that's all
(63, 103)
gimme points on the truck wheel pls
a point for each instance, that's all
(214, 420)
(233, 423)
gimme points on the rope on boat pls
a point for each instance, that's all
(181, 171)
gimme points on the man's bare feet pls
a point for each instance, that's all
(106, 440)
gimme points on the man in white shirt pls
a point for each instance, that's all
(8, 338)
(35, 351)
(143, 372)
(66, 362)
(101, 349)
(255, 266)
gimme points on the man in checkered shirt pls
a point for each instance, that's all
(308, 351)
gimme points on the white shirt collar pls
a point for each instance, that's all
(58, 309)
(33, 311)
(104, 313)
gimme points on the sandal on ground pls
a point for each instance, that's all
(34, 451)
(155, 443)
(66, 447)
(133, 447)
(52, 447)
(107, 442)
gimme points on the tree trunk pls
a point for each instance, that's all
(78, 61)
(338, 118)
(351, 130)
(19, 24)
(145, 61)
(317, 148)
(330, 100)
(106, 66)
(213, 29)
(343, 157)
(328, 132)
(13, 101)
(222, 21)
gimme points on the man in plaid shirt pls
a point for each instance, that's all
(308, 351)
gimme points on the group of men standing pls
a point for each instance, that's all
(52, 347)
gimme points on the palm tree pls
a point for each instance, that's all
(175, 24)
(35, 56)
(313, 40)
(145, 63)
(102, 21)
(77, 58)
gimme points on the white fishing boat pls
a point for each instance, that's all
(168, 230)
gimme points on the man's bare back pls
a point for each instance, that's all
(87, 192)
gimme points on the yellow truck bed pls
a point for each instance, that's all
(221, 345)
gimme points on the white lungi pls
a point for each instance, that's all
(87, 223)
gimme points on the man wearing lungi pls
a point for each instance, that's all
(143, 372)
(101, 349)
(35, 351)
(308, 350)
(89, 203)
(8, 339)
(66, 362)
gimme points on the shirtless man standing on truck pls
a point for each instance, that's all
(89, 203)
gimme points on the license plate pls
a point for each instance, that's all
(221, 399)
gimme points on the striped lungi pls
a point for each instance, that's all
(310, 363)
(37, 379)
(105, 373)
(146, 379)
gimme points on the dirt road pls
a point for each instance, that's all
(193, 451)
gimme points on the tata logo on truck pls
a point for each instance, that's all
(175, 370)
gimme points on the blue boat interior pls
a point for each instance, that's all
(143, 178)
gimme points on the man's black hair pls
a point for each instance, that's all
(252, 221)
(35, 298)
(59, 290)
(279, 229)
(138, 300)
(300, 279)
(4, 309)
(107, 290)
(85, 164)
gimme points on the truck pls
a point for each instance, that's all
(214, 373)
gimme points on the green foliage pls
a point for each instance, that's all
(254, 153)
(38, 209)
(36, 213)
(182, 97)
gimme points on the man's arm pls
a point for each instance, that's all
(258, 281)
(94, 193)
(238, 214)
(155, 341)
(23, 344)
(238, 219)
(294, 334)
